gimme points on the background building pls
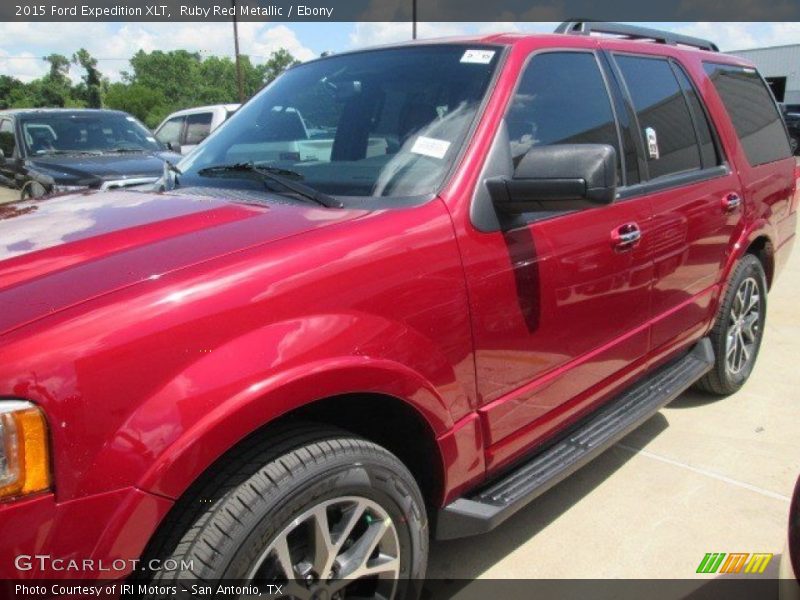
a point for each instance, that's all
(780, 66)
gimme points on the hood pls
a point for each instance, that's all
(91, 170)
(64, 250)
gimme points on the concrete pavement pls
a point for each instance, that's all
(704, 475)
(7, 195)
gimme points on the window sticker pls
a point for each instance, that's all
(430, 147)
(652, 143)
(478, 57)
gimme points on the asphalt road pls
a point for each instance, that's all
(704, 475)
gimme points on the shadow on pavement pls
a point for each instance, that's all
(453, 564)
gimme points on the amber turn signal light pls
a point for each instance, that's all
(24, 451)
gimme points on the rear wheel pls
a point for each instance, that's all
(320, 512)
(738, 329)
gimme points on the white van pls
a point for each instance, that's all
(183, 130)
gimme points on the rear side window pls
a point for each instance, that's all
(198, 127)
(753, 111)
(708, 148)
(561, 99)
(664, 118)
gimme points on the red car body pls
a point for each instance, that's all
(156, 333)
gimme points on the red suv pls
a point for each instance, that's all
(401, 292)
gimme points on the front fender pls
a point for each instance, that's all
(216, 432)
(229, 392)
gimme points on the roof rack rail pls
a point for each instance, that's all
(634, 32)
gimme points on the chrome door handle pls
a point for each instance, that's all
(731, 202)
(626, 236)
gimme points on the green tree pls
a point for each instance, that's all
(54, 89)
(277, 63)
(92, 79)
(146, 104)
(10, 88)
(156, 84)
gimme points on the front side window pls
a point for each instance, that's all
(664, 120)
(170, 132)
(753, 111)
(384, 123)
(85, 133)
(8, 142)
(561, 99)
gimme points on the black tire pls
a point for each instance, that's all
(222, 527)
(721, 380)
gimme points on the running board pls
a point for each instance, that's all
(486, 508)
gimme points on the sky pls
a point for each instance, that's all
(22, 45)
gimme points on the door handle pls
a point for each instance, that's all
(730, 202)
(626, 236)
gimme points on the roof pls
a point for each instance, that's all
(667, 40)
(207, 108)
(57, 111)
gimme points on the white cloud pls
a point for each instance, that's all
(378, 33)
(25, 66)
(115, 43)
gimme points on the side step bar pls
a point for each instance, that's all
(486, 508)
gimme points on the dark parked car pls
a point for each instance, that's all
(306, 355)
(45, 151)
(793, 125)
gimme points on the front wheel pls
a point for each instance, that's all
(738, 329)
(319, 512)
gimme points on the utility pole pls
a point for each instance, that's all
(239, 82)
(413, 19)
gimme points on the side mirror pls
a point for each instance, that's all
(2, 157)
(794, 143)
(174, 147)
(558, 177)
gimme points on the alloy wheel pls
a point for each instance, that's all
(347, 546)
(743, 327)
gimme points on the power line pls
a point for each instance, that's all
(44, 58)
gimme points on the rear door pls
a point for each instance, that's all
(560, 299)
(695, 195)
(763, 151)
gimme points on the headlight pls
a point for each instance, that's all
(24, 452)
(60, 189)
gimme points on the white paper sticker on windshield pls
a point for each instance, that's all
(478, 57)
(430, 147)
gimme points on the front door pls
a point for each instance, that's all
(560, 300)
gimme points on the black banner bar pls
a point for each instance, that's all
(399, 10)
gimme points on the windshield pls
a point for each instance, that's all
(76, 133)
(378, 123)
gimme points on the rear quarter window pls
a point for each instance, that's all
(753, 111)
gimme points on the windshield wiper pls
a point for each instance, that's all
(280, 176)
(63, 152)
(126, 150)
